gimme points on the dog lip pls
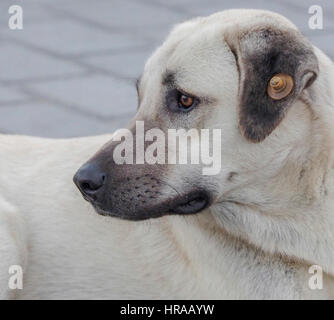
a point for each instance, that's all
(90, 199)
(194, 204)
(129, 217)
(190, 203)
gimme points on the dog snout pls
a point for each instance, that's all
(90, 180)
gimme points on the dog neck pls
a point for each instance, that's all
(291, 223)
(226, 266)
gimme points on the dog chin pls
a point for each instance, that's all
(102, 212)
(134, 216)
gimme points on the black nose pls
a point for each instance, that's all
(90, 180)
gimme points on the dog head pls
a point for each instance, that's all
(230, 84)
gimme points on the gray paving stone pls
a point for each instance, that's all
(33, 12)
(11, 95)
(21, 63)
(157, 34)
(119, 14)
(97, 95)
(324, 42)
(129, 64)
(51, 121)
(72, 38)
(303, 7)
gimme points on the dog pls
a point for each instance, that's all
(254, 230)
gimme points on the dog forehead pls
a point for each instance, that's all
(201, 62)
(196, 58)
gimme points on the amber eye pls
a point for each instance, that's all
(185, 101)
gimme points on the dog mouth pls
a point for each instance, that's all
(191, 203)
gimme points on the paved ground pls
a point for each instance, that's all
(71, 70)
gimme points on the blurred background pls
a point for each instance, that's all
(71, 70)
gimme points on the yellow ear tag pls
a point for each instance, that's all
(280, 86)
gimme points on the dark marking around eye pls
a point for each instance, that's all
(173, 101)
(168, 78)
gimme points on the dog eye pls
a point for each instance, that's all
(186, 102)
(179, 101)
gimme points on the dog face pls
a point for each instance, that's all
(211, 73)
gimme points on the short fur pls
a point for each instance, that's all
(271, 211)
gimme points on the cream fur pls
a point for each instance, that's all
(256, 241)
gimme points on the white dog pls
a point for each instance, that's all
(251, 231)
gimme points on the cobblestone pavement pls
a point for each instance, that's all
(71, 70)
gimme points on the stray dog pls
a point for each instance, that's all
(251, 231)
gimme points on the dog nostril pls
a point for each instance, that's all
(89, 179)
(91, 186)
(85, 186)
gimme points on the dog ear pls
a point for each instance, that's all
(275, 66)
